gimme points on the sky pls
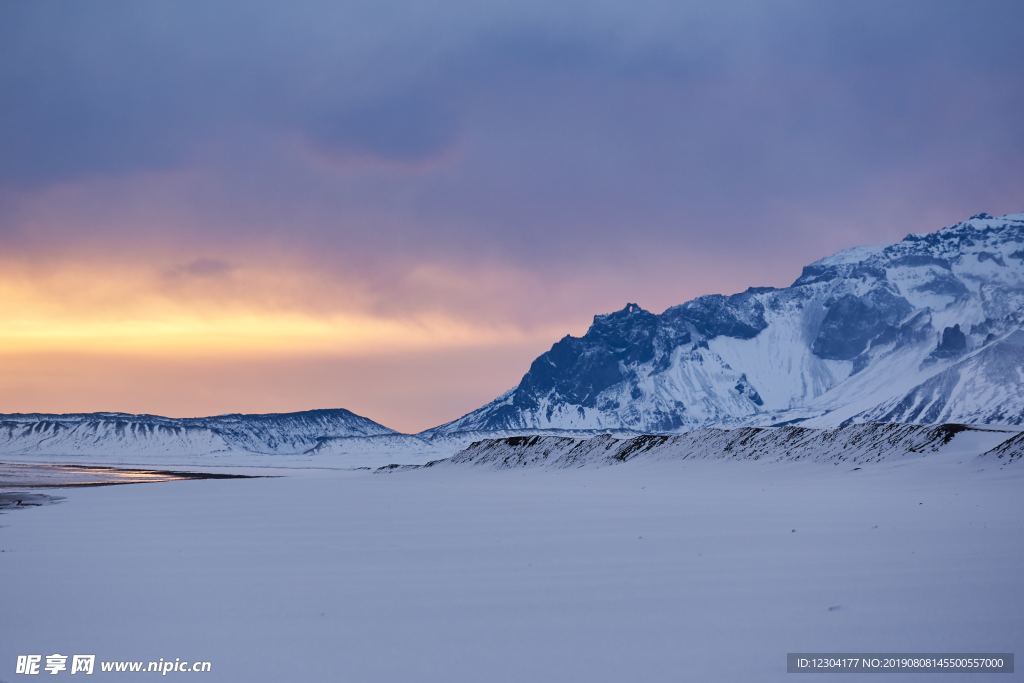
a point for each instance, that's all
(392, 206)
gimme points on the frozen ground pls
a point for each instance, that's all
(646, 571)
(36, 475)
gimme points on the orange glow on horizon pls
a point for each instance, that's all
(85, 311)
(238, 333)
(83, 338)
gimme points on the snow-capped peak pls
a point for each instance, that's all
(851, 255)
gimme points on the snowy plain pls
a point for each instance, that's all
(645, 571)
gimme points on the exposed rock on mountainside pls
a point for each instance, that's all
(853, 444)
(1011, 450)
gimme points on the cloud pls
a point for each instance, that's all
(118, 86)
(405, 129)
(204, 268)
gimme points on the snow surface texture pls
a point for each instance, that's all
(648, 571)
(925, 330)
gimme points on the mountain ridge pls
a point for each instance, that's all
(106, 432)
(852, 328)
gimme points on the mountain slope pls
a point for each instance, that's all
(985, 388)
(858, 336)
(122, 433)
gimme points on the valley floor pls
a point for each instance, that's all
(646, 571)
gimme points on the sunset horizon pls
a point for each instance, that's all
(511, 342)
(303, 359)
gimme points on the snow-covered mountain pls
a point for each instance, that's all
(852, 444)
(123, 438)
(927, 330)
(924, 330)
(122, 433)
